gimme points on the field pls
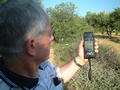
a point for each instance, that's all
(105, 68)
(114, 42)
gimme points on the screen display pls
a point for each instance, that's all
(89, 44)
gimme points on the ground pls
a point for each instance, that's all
(52, 59)
(114, 42)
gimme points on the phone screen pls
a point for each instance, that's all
(89, 44)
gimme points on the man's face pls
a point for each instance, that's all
(43, 44)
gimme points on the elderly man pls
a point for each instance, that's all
(25, 37)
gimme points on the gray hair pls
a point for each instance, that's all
(19, 20)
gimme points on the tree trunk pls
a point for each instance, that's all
(109, 33)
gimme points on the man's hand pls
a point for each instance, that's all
(80, 58)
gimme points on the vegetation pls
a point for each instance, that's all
(66, 25)
(105, 68)
(68, 29)
(3, 0)
(105, 22)
(105, 73)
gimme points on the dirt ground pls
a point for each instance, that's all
(52, 59)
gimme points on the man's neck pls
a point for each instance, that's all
(27, 69)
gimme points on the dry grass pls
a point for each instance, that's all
(51, 59)
(114, 42)
(107, 42)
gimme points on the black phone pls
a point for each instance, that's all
(89, 45)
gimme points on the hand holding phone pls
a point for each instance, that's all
(87, 48)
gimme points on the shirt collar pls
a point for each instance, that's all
(20, 80)
(44, 64)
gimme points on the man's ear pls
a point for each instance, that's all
(30, 46)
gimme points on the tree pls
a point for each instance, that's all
(105, 22)
(115, 19)
(91, 19)
(39, 1)
(66, 25)
(61, 18)
(3, 0)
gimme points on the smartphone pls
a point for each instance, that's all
(89, 45)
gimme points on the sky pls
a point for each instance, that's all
(83, 6)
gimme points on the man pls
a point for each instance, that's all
(25, 37)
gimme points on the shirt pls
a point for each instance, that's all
(48, 79)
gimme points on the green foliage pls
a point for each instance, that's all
(91, 18)
(105, 22)
(62, 53)
(67, 28)
(39, 1)
(3, 0)
(98, 21)
(115, 19)
(66, 25)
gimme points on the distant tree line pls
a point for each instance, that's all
(67, 25)
(105, 22)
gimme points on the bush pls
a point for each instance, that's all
(62, 53)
